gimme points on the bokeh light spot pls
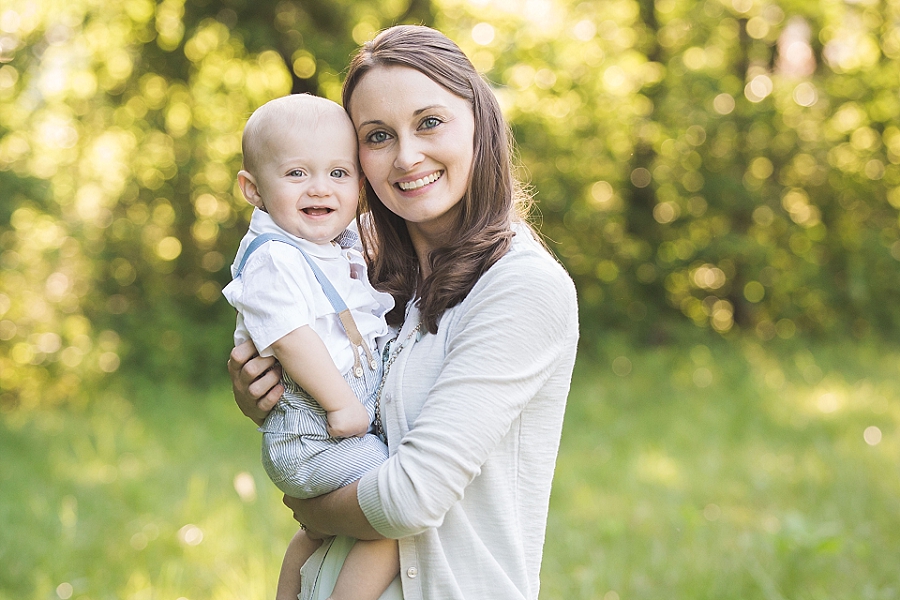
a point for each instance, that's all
(872, 435)
(64, 590)
(723, 104)
(621, 366)
(702, 377)
(168, 248)
(785, 328)
(483, 34)
(805, 94)
(712, 512)
(828, 402)
(584, 30)
(759, 88)
(245, 486)
(109, 362)
(754, 291)
(640, 177)
(304, 64)
(190, 535)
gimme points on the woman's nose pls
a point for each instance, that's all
(408, 154)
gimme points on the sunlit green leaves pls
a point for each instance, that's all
(725, 133)
(729, 163)
(107, 151)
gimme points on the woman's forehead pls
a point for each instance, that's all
(399, 90)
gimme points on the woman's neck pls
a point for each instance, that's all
(423, 244)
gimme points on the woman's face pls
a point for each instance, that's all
(416, 144)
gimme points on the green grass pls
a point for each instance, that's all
(727, 471)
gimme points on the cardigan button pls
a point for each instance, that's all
(412, 572)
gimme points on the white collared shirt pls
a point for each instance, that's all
(277, 293)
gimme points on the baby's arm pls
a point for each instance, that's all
(304, 356)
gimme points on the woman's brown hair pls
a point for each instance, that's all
(483, 229)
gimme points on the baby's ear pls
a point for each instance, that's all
(248, 186)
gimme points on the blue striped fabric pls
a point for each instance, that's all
(300, 457)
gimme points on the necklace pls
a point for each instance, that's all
(392, 353)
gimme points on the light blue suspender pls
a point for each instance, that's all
(340, 307)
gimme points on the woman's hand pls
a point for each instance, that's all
(297, 507)
(255, 381)
(334, 513)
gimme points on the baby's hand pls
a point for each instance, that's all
(350, 421)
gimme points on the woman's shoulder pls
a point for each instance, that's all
(529, 258)
(527, 285)
(527, 267)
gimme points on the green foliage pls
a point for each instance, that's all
(733, 164)
(120, 129)
(736, 162)
(723, 471)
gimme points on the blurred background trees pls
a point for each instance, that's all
(727, 164)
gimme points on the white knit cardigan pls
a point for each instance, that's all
(474, 416)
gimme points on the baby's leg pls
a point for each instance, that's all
(368, 570)
(298, 551)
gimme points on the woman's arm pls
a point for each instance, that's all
(510, 348)
(514, 334)
(255, 381)
(336, 513)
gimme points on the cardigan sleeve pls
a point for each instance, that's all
(507, 338)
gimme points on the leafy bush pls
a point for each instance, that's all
(729, 164)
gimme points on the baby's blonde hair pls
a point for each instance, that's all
(273, 117)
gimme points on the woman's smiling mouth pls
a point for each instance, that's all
(408, 186)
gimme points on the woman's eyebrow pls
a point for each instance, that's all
(427, 108)
(416, 113)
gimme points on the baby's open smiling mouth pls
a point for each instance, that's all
(316, 211)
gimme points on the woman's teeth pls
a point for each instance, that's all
(407, 186)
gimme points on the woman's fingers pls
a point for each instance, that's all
(267, 388)
(255, 380)
(239, 356)
(295, 504)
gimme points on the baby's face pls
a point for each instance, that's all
(309, 179)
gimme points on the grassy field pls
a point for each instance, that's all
(721, 471)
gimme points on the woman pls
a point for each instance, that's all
(476, 379)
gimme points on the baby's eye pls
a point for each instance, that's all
(296, 173)
(377, 137)
(430, 123)
(340, 173)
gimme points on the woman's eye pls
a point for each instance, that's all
(377, 137)
(430, 122)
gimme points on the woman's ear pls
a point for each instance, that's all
(248, 186)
